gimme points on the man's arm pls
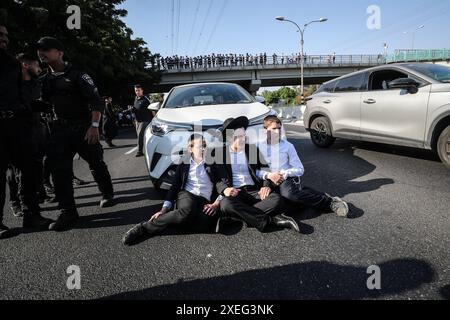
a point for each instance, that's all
(175, 188)
(296, 167)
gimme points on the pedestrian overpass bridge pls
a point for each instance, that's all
(286, 72)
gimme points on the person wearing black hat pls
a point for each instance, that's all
(74, 128)
(143, 116)
(247, 197)
(15, 138)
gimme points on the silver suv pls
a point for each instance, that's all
(401, 104)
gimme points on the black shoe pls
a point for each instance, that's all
(139, 154)
(111, 145)
(78, 182)
(222, 221)
(133, 235)
(4, 231)
(286, 222)
(107, 202)
(35, 221)
(65, 221)
(17, 211)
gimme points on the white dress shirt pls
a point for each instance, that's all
(239, 167)
(198, 183)
(282, 157)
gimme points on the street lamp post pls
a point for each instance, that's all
(302, 45)
(414, 35)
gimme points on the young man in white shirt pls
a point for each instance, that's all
(286, 171)
(247, 197)
(190, 194)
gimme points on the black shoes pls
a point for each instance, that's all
(134, 234)
(340, 207)
(17, 211)
(286, 222)
(107, 201)
(65, 221)
(4, 231)
(35, 221)
(222, 221)
(139, 155)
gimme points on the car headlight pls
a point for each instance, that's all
(260, 120)
(161, 128)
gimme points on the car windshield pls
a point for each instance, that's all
(434, 71)
(210, 94)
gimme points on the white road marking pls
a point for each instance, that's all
(131, 151)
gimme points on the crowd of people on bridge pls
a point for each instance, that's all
(177, 62)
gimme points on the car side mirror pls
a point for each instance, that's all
(260, 99)
(405, 83)
(154, 106)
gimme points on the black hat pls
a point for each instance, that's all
(234, 123)
(48, 43)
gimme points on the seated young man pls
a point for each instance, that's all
(286, 171)
(246, 196)
(191, 192)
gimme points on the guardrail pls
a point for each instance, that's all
(419, 55)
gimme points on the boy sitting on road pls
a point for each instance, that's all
(192, 190)
(287, 170)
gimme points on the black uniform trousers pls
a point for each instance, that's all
(249, 207)
(188, 213)
(16, 149)
(13, 177)
(64, 142)
(293, 190)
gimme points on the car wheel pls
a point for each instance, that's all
(321, 134)
(443, 146)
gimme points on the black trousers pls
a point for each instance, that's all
(16, 148)
(14, 176)
(292, 190)
(64, 143)
(188, 213)
(249, 207)
(140, 129)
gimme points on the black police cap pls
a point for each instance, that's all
(48, 43)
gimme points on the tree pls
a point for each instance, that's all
(103, 46)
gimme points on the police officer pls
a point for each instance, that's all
(15, 139)
(143, 116)
(31, 92)
(77, 109)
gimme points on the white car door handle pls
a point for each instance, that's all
(369, 101)
(327, 101)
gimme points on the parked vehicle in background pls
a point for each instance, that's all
(404, 104)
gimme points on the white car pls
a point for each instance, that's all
(196, 108)
(401, 104)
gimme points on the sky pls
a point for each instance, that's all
(194, 27)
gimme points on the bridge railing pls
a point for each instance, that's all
(242, 62)
(419, 55)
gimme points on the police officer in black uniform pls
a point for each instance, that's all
(74, 128)
(31, 92)
(15, 139)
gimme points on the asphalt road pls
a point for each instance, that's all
(400, 221)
